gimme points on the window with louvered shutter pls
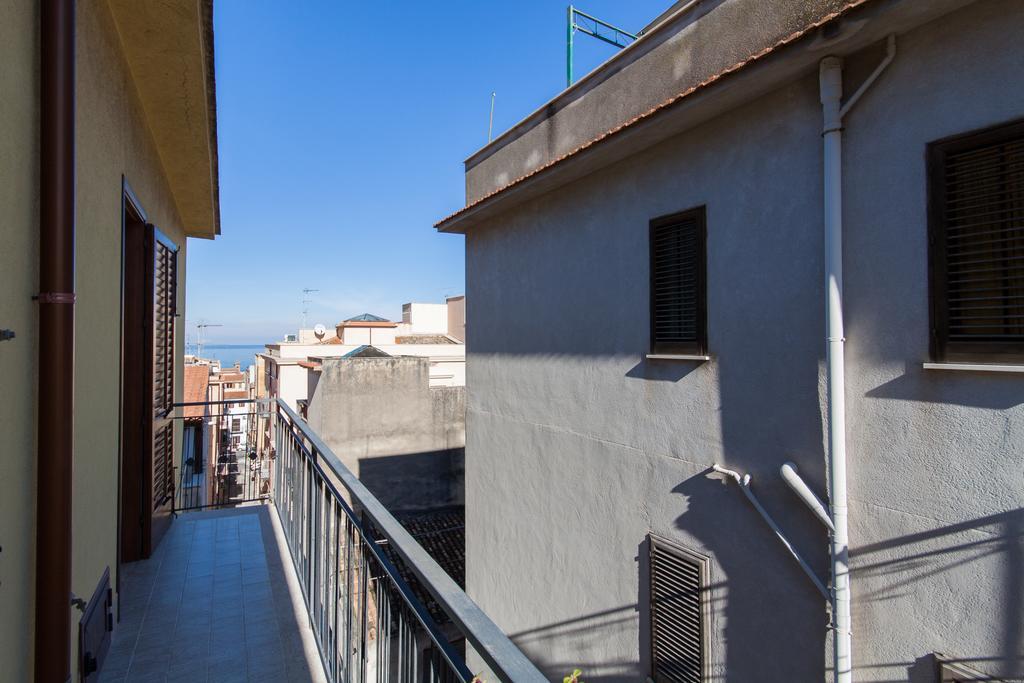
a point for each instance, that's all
(165, 292)
(678, 288)
(976, 225)
(678, 616)
(165, 289)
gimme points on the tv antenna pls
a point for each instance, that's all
(592, 26)
(306, 301)
(490, 123)
(200, 326)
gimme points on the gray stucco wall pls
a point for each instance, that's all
(577, 447)
(403, 439)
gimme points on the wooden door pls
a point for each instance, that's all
(147, 430)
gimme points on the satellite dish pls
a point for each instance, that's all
(319, 330)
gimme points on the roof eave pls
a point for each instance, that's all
(745, 81)
(169, 51)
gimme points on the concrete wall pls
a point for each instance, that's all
(425, 318)
(457, 317)
(357, 336)
(113, 139)
(19, 258)
(403, 439)
(578, 447)
(291, 382)
(449, 372)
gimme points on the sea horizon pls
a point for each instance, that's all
(229, 354)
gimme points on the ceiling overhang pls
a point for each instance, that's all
(169, 50)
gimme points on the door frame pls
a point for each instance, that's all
(132, 214)
(139, 525)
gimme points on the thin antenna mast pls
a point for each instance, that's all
(592, 26)
(490, 124)
(200, 326)
(305, 304)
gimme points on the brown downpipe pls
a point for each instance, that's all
(55, 412)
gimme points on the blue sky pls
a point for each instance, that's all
(343, 126)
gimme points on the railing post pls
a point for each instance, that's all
(336, 514)
(307, 486)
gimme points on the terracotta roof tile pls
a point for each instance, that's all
(228, 376)
(197, 386)
(424, 339)
(443, 535)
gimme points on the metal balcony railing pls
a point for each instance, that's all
(225, 454)
(364, 578)
(368, 621)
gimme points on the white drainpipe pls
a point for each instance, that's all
(831, 83)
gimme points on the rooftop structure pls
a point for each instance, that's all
(367, 318)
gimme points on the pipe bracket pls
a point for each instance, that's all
(55, 297)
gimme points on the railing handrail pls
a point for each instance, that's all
(503, 657)
(186, 404)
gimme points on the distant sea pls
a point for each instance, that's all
(229, 354)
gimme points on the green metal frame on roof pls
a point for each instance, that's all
(592, 26)
(367, 318)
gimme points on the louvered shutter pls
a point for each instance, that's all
(163, 458)
(678, 289)
(165, 292)
(977, 245)
(678, 623)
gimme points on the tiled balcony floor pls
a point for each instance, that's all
(217, 602)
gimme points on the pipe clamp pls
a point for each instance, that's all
(55, 297)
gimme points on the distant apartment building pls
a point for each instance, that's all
(388, 398)
(457, 317)
(194, 485)
(670, 264)
(241, 448)
(285, 367)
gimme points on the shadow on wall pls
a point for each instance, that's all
(588, 632)
(971, 389)
(416, 481)
(661, 371)
(760, 600)
(1003, 536)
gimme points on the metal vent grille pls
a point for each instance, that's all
(678, 645)
(677, 283)
(978, 244)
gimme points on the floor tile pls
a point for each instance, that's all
(204, 607)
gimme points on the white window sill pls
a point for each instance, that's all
(676, 356)
(973, 367)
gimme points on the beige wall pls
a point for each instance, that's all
(113, 140)
(457, 317)
(19, 182)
